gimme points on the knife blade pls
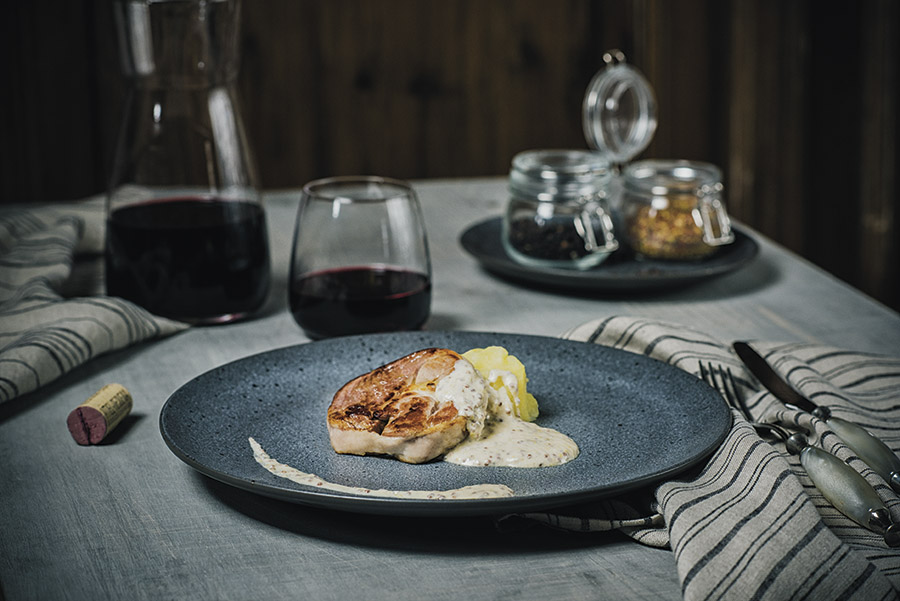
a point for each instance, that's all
(867, 447)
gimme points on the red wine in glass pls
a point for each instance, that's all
(360, 300)
(189, 258)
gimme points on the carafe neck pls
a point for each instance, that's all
(184, 44)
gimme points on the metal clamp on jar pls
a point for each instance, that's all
(674, 209)
(557, 214)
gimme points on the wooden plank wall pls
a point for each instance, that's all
(797, 100)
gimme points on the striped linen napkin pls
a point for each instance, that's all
(750, 524)
(51, 318)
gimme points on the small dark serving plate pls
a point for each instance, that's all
(621, 272)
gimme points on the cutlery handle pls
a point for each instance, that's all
(870, 449)
(849, 492)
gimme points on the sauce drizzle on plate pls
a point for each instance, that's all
(477, 491)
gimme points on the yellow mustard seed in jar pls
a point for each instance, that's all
(672, 232)
(673, 210)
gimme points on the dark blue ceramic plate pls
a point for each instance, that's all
(621, 272)
(636, 421)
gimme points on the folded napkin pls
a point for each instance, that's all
(750, 524)
(46, 328)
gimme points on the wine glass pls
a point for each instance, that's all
(360, 261)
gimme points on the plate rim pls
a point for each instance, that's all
(430, 507)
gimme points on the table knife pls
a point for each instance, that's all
(867, 447)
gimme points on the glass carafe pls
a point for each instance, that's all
(186, 231)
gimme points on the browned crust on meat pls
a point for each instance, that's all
(385, 411)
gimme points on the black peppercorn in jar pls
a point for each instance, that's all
(674, 209)
(557, 214)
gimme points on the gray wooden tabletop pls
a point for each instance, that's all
(128, 520)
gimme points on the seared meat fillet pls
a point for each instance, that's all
(392, 411)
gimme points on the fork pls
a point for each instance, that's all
(839, 483)
(723, 381)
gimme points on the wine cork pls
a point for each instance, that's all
(90, 422)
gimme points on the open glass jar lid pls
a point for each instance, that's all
(619, 110)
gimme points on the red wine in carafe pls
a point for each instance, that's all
(360, 300)
(193, 259)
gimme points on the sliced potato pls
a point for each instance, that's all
(497, 357)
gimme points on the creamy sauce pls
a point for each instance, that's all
(478, 491)
(469, 393)
(503, 439)
(512, 442)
